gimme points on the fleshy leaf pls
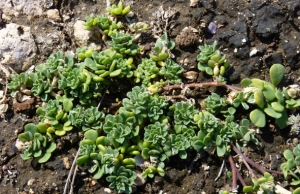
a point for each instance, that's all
(276, 73)
(272, 113)
(91, 135)
(282, 122)
(288, 154)
(45, 157)
(258, 118)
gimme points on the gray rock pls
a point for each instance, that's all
(27, 7)
(267, 19)
(17, 47)
(83, 37)
(290, 48)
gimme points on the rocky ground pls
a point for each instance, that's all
(254, 34)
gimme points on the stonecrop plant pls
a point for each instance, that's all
(148, 129)
(212, 61)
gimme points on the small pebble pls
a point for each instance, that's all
(107, 190)
(253, 52)
(31, 181)
(212, 28)
(53, 14)
(4, 167)
(193, 3)
(66, 162)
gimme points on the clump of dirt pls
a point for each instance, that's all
(188, 37)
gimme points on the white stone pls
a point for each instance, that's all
(53, 14)
(83, 36)
(80, 34)
(17, 46)
(193, 3)
(253, 52)
(31, 181)
(107, 190)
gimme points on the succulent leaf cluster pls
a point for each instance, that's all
(94, 152)
(19, 82)
(124, 44)
(142, 105)
(146, 71)
(264, 184)
(121, 179)
(212, 61)
(103, 22)
(54, 116)
(292, 164)
(37, 144)
(43, 82)
(86, 119)
(162, 49)
(118, 10)
(171, 72)
(270, 100)
(215, 134)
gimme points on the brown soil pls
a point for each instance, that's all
(270, 27)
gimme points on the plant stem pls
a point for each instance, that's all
(234, 173)
(254, 164)
(240, 178)
(200, 85)
(247, 160)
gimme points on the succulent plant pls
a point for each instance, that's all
(85, 119)
(292, 163)
(108, 26)
(162, 49)
(54, 116)
(156, 133)
(146, 71)
(212, 61)
(120, 127)
(213, 133)
(39, 146)
(124, 44)
(263, 184)
(118, 10)
(270, 100)
(171, 72)
(19, 82)
(121, 179)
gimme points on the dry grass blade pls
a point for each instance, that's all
(69, 184)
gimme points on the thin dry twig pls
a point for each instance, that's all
(102, 98)
(73, 179)
(221, 170)
(199, 85)
(68, 182)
